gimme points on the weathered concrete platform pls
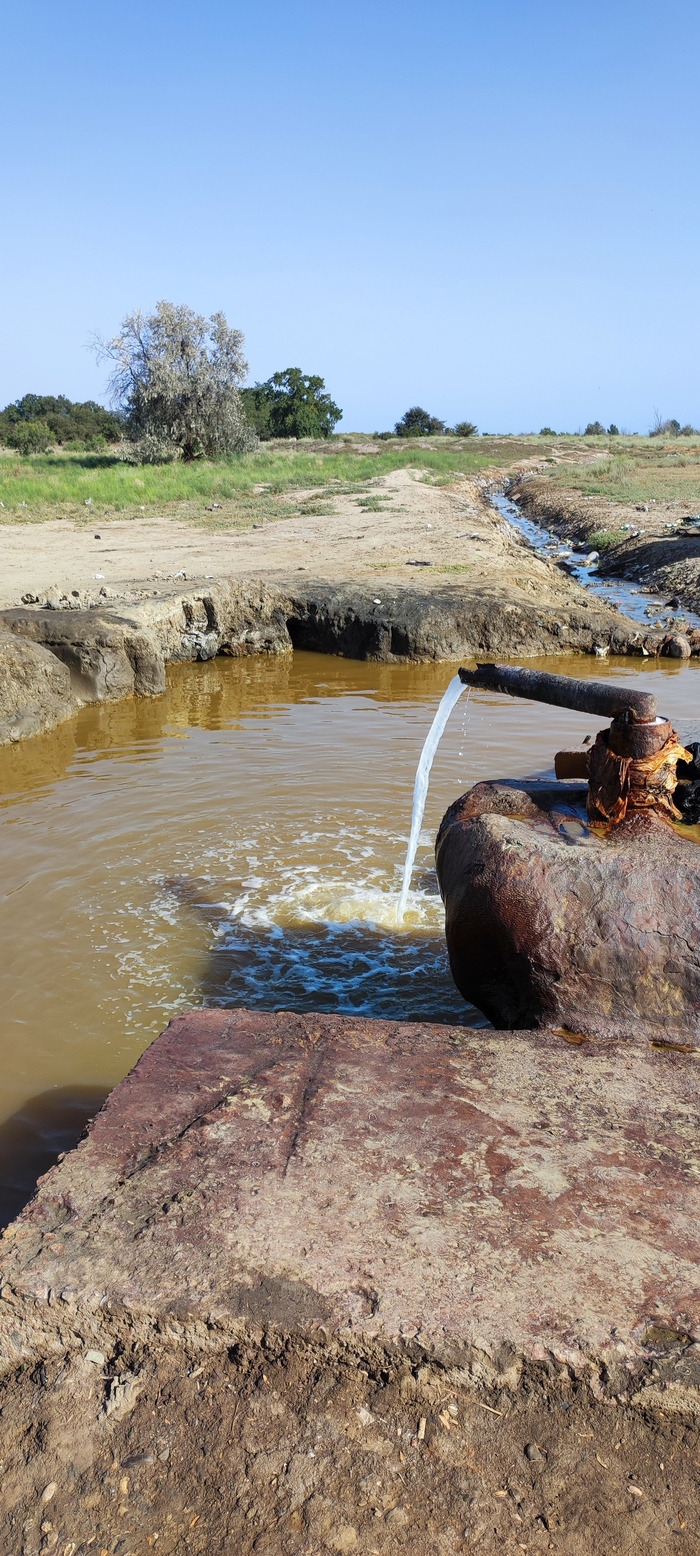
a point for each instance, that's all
(494, 1234)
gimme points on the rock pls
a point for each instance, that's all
(533, 1453)
(35, 689)
(332, 1215)
(90, 644)
(676, 647)
(600, 935)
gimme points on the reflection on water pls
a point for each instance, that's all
(239, 841)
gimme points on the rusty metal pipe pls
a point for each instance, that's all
(564, 691)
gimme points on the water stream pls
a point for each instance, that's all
(618, 593)
(420, 787)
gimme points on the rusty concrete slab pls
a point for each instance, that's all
(471, 1192)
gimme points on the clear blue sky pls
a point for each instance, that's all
(489, 208)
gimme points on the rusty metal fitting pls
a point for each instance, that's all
(631, 766)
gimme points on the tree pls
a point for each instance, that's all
(176, 379)
(29, 437)
(417, 423)
(669, 429)
(466, 429)
(613, 431)
(595, 429)
(75, 424)
(291, 404)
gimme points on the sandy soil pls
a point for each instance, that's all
(397, 522)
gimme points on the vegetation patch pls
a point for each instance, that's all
(67, 484)
(605, 539)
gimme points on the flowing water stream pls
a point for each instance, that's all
(639, 604)
(238, 841)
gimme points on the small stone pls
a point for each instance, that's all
(49, 1491)
(344, 1539)
(365, 1416)
(398, 1517)
(95, 1356)
(533, 1453)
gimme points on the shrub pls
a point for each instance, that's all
(291, 404)
(671, 428)
(547, 432)
(29, 437)
(417, 423)
(604, 539)
(176, 380)
(613, 431)
(595, 429)
(466, 429)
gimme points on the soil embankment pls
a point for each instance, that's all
(321, 1284)
(426, 573)
(654, 543)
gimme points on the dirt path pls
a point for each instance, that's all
(401, 528)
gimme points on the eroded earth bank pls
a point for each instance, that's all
(409, 571)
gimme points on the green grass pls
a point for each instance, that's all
(604, 539)
(55, 484)
(280, 479)
(640, 470)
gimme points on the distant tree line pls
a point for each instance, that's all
(595, 429)
(39, 421)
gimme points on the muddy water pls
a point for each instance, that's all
(238, 841)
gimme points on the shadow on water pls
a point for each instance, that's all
(33, 1138)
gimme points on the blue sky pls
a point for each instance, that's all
(489, 208)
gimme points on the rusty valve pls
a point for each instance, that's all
(631, 766)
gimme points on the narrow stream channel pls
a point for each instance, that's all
(618, 593)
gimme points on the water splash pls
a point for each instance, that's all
(420, 787)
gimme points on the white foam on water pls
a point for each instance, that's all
(420, 787)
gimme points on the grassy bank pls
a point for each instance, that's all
(635, 470)
(60, 485)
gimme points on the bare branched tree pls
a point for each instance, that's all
(176, 378)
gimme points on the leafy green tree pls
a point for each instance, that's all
(417, 423)
(466, 429)
(77, 424)
(29, 437)
(547, 432)
(613, 431)
(291, 404)
(176, 379)
(595, 429)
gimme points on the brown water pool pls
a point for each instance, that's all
(238, 841)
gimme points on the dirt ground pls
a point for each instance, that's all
(400, 529)
(284, 1448)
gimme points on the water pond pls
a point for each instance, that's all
(238, 841)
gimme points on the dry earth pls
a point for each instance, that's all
(399, 521)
